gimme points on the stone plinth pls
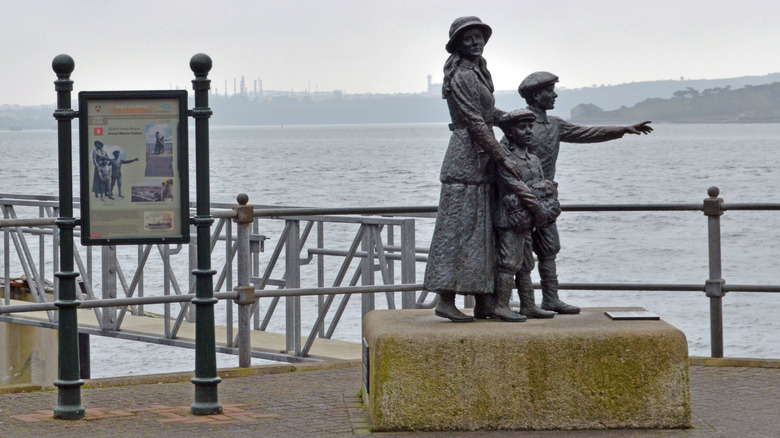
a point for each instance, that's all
(27, 354)
(571, 372)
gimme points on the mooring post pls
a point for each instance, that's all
(246, 291)
(206, 379)
(714, 285)
(68, 378)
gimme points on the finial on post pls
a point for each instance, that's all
(200, 64)
(713, 206)
(63, 65)
(244, 212)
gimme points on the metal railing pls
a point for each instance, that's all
(380, 238)
(390, 240)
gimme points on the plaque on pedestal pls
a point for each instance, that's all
(625, 315)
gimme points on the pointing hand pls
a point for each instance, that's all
(639, 128)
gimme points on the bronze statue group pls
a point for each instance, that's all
(108, 172)
(499, 202)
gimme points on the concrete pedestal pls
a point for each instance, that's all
(27, 355)
(571, 372)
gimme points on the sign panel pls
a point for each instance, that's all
(134, 168)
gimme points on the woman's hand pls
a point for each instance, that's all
(540, 219)
(513, 168)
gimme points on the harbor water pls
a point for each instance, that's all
(398, 165)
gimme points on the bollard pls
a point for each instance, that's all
(68, 381)
(206, 379)
(713, 287)
(246, 292)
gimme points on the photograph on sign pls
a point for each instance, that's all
(134, 172)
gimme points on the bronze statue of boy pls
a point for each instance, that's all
(538, 90)
(523, 204)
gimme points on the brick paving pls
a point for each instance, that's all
(322, 401)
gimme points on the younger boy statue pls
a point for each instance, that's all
(522, 206)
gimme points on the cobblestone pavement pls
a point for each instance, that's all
(320, 401)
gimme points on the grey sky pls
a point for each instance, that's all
(386, 46)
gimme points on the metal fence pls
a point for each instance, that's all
(374, 248)
(122, 273)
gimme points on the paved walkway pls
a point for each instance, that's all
(320, 400)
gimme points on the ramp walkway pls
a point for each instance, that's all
(151, 327)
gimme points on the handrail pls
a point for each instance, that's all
(183, 298)
(308, 211)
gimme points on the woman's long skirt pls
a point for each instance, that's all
(462, 255)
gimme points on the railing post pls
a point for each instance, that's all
(256, 247)
(367, 269)
(320, 273)
(293, 280)
(192, 252)
(246, 291)
(206, 379)
(166, 257)
(140, 287)
(408, 265)
(68, 382)
(714, 285)
(108, 270)
(7, 269)
(55, 247)
(41, 249)
(228, 280)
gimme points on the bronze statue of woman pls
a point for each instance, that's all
(462, 256)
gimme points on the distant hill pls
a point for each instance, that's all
(27, 117)
(278, 108)
(613, 97)
(750, 104)
(431, 108)
(282, 110)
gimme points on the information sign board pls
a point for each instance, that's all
(133, 165)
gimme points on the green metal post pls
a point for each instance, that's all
(205, 380)
(68, 378)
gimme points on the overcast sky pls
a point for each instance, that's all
(379, 46)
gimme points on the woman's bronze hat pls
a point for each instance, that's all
(462, 23)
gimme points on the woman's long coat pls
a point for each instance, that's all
(462, 257)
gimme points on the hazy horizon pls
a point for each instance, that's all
(388, 47)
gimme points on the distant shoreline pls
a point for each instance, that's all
(345, 125)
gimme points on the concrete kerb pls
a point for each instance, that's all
(225, 373)
(20, 388)
(738, 362)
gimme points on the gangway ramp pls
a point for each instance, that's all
(147, 328)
